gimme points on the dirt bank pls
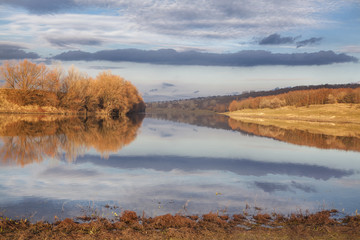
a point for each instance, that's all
(320, 225)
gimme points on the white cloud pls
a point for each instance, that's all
(350, 49)
(140, 188)
(165, 22)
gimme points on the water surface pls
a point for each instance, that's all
(67, 167)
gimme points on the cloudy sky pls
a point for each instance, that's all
(178, 49)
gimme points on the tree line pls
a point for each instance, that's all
(29, 83)
(222, 103)
(300, 98)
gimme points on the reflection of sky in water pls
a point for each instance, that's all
(174, 167)
(188, 140)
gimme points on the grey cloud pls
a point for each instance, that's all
(244, 167)
(165, 97)
(166, 135)
(309, 41)
(276, 39)
(222, 19)
(272, 187)
(242, 58)
(64, 172)
(105, 67)
(8, 52)
(197, 91)
(68, 41)
(303, 187)
(153, 90)
(166, 85)
(41, 6)
(199, 19)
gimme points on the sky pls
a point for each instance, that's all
(181, 49)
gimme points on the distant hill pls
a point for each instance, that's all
(221, 103)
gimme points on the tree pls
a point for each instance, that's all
(24, 75)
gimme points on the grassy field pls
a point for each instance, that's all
(329, 119)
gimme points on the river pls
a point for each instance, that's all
(52, 168)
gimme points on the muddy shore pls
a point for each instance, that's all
(321, 225)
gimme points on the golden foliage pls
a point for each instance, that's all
(28, 139)
(35, 85)
(299, 98)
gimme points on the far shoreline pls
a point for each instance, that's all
(323, 119)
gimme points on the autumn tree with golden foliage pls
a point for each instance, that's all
(299, 99)
(74, 91)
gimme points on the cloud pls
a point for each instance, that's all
(243, 167)
(61, 171)
(105, 67)
(309, 41)
(276, 39)
(272, 187)
(8, 51)
(158, 22)
(166, 85)
(41, 6)
(351, 49)
(215, 19)
(153, 90)
(304, 187)
(242, 58)
(69, 41)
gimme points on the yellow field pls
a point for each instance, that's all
(330, 119)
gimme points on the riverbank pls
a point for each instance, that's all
(321, 225)
(329, 119)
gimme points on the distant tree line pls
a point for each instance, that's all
(222, 103)
(28, 83)
(299, 98)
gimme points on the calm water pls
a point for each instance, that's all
(71, 167)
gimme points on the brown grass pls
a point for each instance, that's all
(319, 225)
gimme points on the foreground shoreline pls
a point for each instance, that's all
(320, 225)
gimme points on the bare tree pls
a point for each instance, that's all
(24, 75)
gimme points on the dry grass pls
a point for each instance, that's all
(8, 106)
(330, 119)
(210, 226)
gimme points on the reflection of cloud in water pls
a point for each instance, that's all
(238, 166)
(131, 186)
(164, 133)
(304, 187)
(155, 199)
(66, 171)
(272, 187)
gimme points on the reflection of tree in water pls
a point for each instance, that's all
(32, 139)
(299, 137)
